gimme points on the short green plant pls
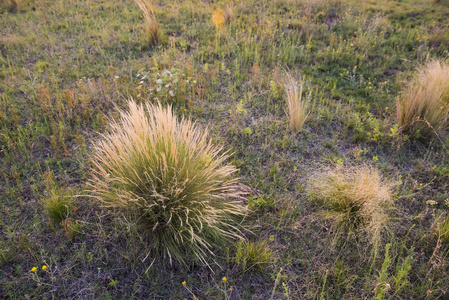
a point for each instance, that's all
(113, 283)
(6, 253)
(443, 228)
(167, 176)
(254, 256)
(260, 202)
(356, 199)
(58, 203)
(399, 279)
(383, 285)
(71, 227)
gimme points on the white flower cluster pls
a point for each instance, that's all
(165, 82)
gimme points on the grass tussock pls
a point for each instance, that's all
(218, 18)
(58, 204)
(228, 13)
(297, 106)
(423, 108)
(255, 256)
(153, 28)
(356, 199)
(171, 180)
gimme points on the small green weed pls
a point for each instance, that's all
(253, 256)
(58, 203)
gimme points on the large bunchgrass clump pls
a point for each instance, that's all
(356, 199)
(423, 108)
(297, 106)
(167, 176)
(153, 28)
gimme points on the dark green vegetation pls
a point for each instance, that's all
(68, 66)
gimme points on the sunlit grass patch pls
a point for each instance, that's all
(296, 104)
(423, 107)
(355, 199)
(167, 176)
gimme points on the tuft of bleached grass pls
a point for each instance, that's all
(296, 104)
(218, 18)
(355, 199)
(423, 107)
(153, 28)
(166, 175)
(228, 13)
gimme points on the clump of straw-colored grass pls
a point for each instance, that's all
(218, 18)
(228, 13)
(153, 28)
(356, 199)
(423, 107)
(296, 104)
(168, 177)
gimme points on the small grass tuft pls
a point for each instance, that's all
(356, 199)
(218, 18)
(297, 106)
(228, 13)
(153, 28)
(255, 256)
(423, 108)
(167, 176)
(58, 204)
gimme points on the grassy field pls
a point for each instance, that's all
(348, 206)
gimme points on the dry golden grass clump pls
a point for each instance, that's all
(356, 199)
(153, 28)
(423, 108)
(297, 106)
(167, 176)
(218, 18)
(228, 13)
